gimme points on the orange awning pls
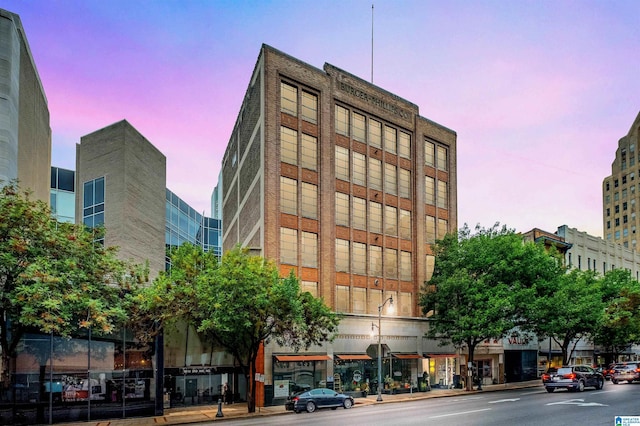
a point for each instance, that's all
(441, 355)
(302, 358)
(407, 356)
(351, 357)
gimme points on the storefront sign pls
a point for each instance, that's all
(201, 370)
(280, 388)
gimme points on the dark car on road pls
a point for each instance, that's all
(313, 399)
(629, 371)
(572, 378)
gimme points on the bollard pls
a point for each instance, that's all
(219, 413)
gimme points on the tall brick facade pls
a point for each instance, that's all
(307, 132)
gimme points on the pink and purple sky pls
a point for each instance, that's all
(539, 92)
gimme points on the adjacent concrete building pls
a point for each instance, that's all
(347, 185)
(25, 134)
(121, 182)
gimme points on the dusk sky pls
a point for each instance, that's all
(539, 92)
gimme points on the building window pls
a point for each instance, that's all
(429, 153)
(442, 158)
(442, 194)
(359, 127)
(309, 152)
(288, 195)
(288, 145)
(375, 133)
(375, 300)
(342, 298)
(342, 255)
(309, 202)
(617, 220)
(429, 190)
(289, 99)
(342, 120)
(375, 217)
(405, 266)
(309, 250)
(390, 140)
(404, 183)
(359, 169)
(93, 204)
(624, 179)
(310, 287)
(375, 173)
(391, 220)
(390, 179)
(359, 265)
(443, 225)
(342, 163)
(309, 107)
(624, 206)
(406, 304)
(391, 263)
(617, 209)
(288, 246)
(359, 213)
(430, 229)
(342, 209)
(404, 145)
(359, 300)
(375, 261)
(430, 263)
(405, 224)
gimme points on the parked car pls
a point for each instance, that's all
(318, 398)
(572, 378)
(607, 371)
(629, 371)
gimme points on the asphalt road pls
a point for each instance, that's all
(516, 407)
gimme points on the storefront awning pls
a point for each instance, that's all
(441, 355)
(407, 356)
(294, 358)
(352, 357)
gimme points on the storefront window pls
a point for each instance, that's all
(298, 375)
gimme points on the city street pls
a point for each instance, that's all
(532, 406)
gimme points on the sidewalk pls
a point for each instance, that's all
(207, 413)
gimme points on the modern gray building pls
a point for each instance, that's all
(25, 133)
(121, 183)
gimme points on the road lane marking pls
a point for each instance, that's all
(460, 413)
(504, 400)
(578, 402)
(468, 399)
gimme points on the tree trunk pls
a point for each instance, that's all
(469, 379)
(251, 386)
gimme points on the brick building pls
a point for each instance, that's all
(347, 185)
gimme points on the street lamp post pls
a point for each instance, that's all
(380, 306)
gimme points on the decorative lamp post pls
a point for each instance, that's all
(380, 306)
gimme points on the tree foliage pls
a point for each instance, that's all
(239, 304)
(619, 326)
(54, 278)
(480, 282)
(566, 310)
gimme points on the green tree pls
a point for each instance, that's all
(480, 283)
(566, 310)
(240, 304)
(619, 325)
(53, 277)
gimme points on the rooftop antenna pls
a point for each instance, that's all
(371, 43)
